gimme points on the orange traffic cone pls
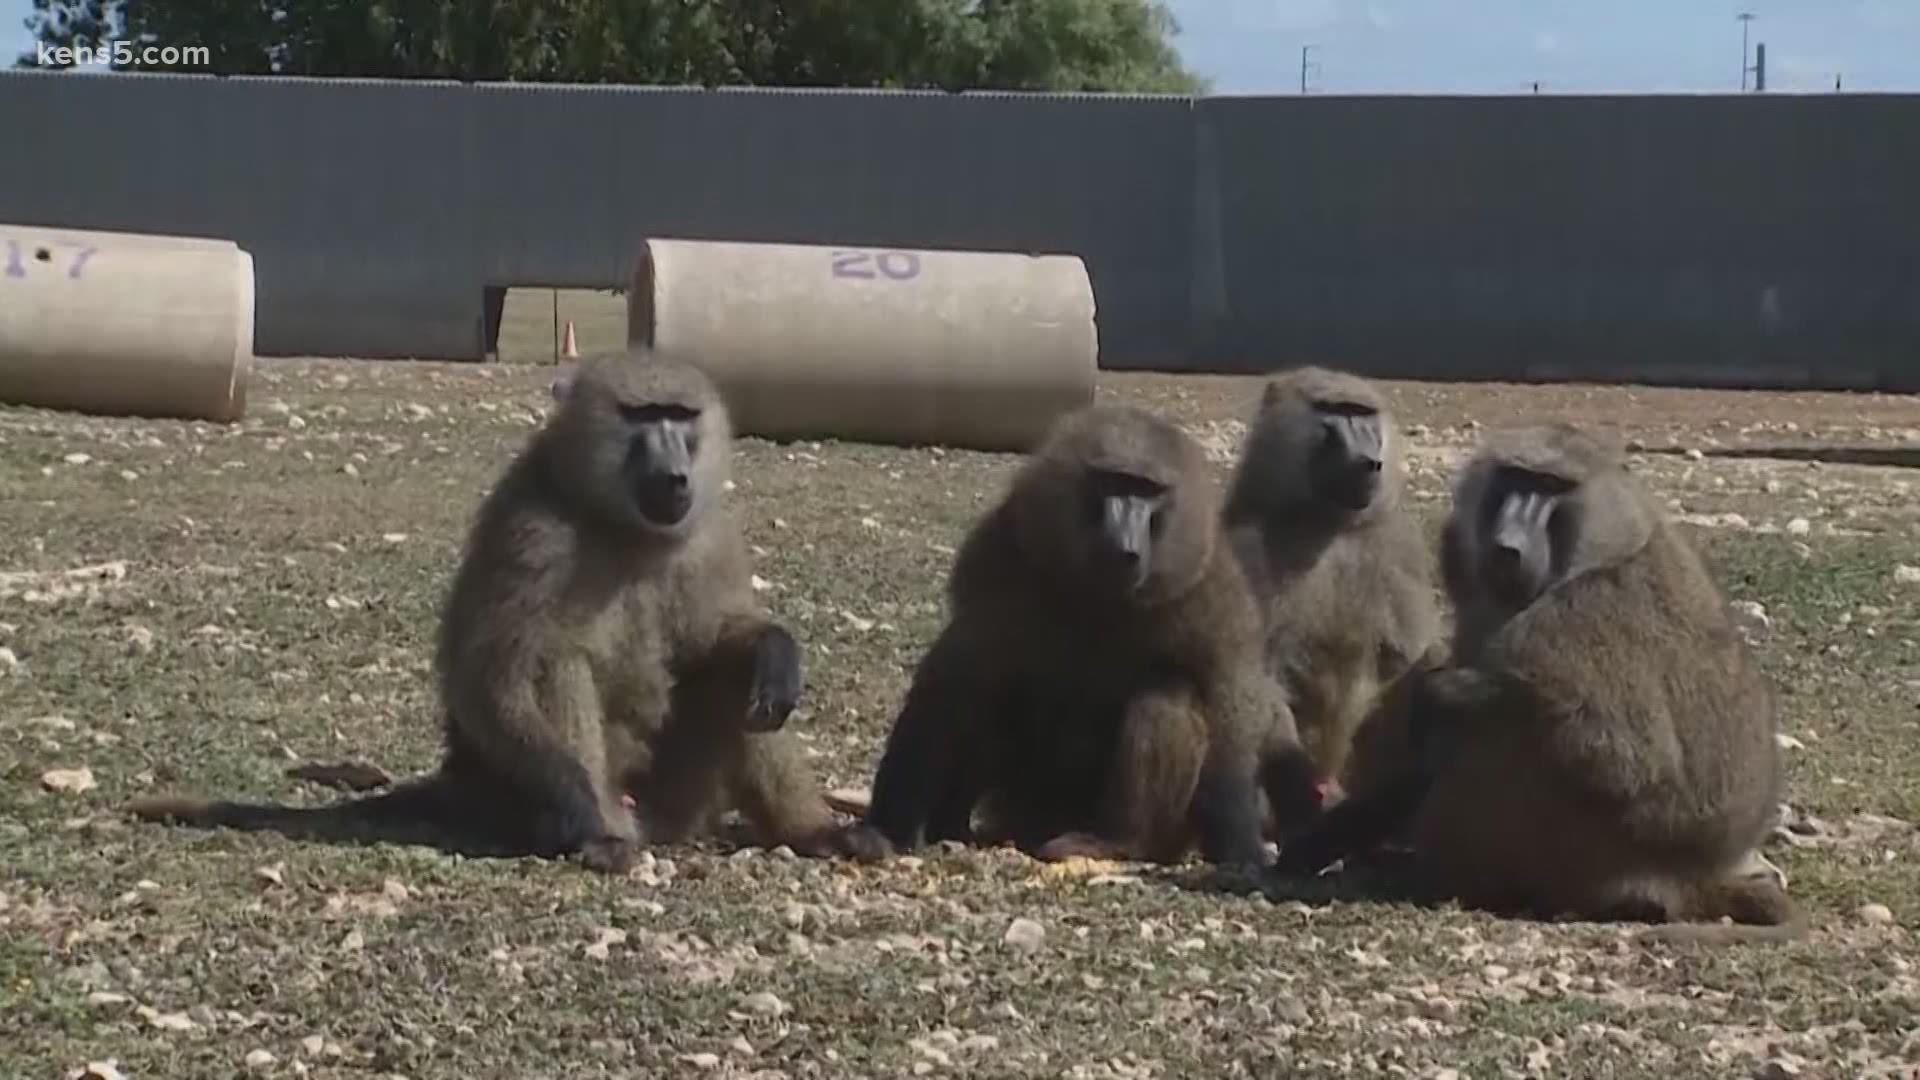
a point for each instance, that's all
(568, 347)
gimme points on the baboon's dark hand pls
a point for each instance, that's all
(776, 680)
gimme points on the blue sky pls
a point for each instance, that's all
(1503, 46)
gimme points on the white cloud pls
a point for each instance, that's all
(1547, 41)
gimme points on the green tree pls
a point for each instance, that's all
(952, 44)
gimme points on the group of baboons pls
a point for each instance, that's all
(1132, 666)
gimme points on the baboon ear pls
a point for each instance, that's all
(1270, 394)
(561, 387)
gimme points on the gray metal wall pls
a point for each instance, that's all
(1700, 239)
(1739, 240)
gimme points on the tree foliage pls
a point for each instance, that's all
(951, 44)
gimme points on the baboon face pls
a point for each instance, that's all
(1349, 452)
(1124, 515)
(644, 441)
(1539, 505)
(663, 443)
(1525, 520)
(1118, 502)
(1320, 442)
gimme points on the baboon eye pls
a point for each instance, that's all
(1157, 524)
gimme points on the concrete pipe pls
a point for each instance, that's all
(963, 348)
(125, 324)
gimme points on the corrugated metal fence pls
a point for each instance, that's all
(1733, 240)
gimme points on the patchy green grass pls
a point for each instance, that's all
(265, 594)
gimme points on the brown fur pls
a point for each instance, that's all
(1602, 748)
(1346, 590)
(588, 651)
(1084, 715)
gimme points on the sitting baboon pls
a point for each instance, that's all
(1098, 688)
(1600, 745)
(1341, 569)
(601, 638)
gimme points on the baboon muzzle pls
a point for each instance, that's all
(1127, 525)
(665, 498)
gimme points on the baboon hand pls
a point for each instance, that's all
(608, 854)
(776, 680)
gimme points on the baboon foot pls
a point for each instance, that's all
(861, 843)
(1081, 845)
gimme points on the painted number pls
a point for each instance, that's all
(17, 261)
(893, 265)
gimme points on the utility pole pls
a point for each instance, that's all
(1760, 67)
(1305, 66)
(1745, 17)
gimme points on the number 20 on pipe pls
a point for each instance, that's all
(868, 265)
(15, 265)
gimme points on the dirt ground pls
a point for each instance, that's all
(193, 608)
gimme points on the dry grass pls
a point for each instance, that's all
(269, 597)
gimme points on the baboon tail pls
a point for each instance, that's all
(412, 812)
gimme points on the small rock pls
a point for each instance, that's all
(78, 459)
(312, 1045)
(1024, 933)
(1752, 613)
(353, 942)
(394, 538)
(8, 661)
(176, 1021)
(260, 1059)
(295, 423)
(1878, 914)
(602, 946)
(272, 875)
(104, 998)
(1906, 575)
(703, 1062)
(98, 1070)
(1696, 455)
(765, 1004)
(1788, 742)
(1799, 526)
(349, 469)
(68, 781)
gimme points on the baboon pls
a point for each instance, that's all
(1097, 689)
(601, 639)
(1341, 570)
(1600, 744)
